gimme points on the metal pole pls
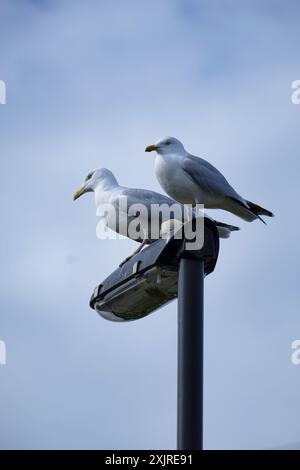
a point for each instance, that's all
(190, 354)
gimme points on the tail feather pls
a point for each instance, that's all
(243, 210)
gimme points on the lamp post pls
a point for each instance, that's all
(158, 274)
(190, 354)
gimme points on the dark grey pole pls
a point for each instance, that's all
(190, 354)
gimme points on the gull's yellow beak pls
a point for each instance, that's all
(150, 148)
(79, 193)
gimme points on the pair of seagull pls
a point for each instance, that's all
(185, 178)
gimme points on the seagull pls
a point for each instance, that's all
(193, 180)
(107, 191)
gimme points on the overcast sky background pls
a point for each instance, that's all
(90, 84)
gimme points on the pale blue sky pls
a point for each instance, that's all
(89, 84)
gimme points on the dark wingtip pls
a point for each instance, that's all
(267, 213)
(234, 228)
(258, 210)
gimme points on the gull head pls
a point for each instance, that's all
(167, 145)
(98, 177)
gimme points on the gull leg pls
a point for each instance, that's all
(144, 242)
(188, 213)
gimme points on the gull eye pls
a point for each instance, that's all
(168, 142)
(89, 176)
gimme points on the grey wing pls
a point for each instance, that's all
(146, 197)
(155, 214)
(209, 178)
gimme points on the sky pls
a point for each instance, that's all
(90, 84)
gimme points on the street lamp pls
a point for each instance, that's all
(155, 276)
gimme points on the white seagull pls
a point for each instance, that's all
(193, 180)
(107, 191)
